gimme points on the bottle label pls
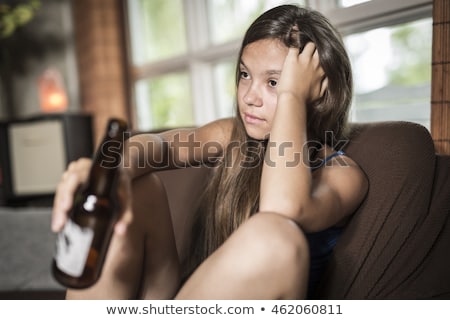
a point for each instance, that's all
(72, 248)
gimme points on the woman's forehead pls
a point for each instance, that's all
(267, 52)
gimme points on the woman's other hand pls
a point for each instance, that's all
(77, 174)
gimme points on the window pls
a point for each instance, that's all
(392, 71)
(349, 3)
(170, 98)
(389, 44)
(183, 57)
(158, 30)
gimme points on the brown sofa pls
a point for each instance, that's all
(397, 244)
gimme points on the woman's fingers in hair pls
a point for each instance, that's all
(303, 74)
(309, 49)
(311, 53)
(315, 59)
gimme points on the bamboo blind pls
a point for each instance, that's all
(440, 83)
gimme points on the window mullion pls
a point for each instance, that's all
(196, 24)
(202, 92)
(200, 70)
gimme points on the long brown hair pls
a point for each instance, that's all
(232, 195)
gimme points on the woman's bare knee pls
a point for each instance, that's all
(282, 251)
(267, 257)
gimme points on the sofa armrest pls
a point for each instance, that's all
(184, 188)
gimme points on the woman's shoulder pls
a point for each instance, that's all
(224, 124)
(329, 157)
(217, 131)
(345, 179)
(339, 169)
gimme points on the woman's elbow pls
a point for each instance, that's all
(290, 211)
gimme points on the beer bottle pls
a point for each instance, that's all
(82, 244)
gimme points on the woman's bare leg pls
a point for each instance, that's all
(143, 263)
(162, 273)
(266, 258)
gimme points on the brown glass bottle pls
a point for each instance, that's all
(82, 245)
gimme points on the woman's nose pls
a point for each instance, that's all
(253, 97)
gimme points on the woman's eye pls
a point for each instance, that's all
(244, 75)
(273, 83)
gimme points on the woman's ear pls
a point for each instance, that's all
(323, 86)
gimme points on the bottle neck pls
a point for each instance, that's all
(105, 166)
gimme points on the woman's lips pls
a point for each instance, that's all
(251, 119)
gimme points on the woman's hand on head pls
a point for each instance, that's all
(77, 174)
(302, 75)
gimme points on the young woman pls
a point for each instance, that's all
(280, 193)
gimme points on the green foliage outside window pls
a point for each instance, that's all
(171, 101)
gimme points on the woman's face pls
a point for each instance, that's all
(260, 68)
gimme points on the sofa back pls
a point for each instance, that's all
(386, 245)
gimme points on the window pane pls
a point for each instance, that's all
(392, 72)
(349, 3)
(164, 102)
(157, 29)
(228, 19)
(225, 88)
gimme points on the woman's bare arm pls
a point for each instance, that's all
(176, 148)
(316, 201)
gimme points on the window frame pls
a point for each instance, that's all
(373, 14)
